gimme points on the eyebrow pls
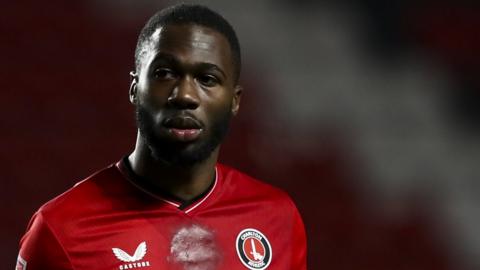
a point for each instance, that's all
(161, 57)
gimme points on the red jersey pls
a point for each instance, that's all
(108, 222)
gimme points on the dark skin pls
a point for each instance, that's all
(186, 73)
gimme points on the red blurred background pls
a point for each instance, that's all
(366, 112)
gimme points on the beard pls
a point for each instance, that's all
(181, 153)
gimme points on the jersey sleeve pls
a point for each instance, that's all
(299, 243)
(40, 248)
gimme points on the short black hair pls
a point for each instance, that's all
(190, 14)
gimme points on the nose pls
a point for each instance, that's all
(185, 95)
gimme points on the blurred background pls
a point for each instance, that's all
(366, 112)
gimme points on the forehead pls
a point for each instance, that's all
(190, 44)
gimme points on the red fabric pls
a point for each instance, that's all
(81, 228)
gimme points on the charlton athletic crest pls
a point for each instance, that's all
(253, 249)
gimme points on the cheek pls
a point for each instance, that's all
(219, 100)
(153, 98)
(151, 109)
(219, 112)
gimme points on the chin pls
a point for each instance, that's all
(181, 154)
(181, 158)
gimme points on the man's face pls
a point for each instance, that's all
(185, 93)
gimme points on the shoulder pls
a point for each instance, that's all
(243, 186)
(43, 244)
(41, 248)
(85, 194)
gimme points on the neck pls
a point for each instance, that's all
(183, 182)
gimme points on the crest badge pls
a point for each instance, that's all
(254, 249)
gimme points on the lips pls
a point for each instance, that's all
(182, 122)
(183, 128)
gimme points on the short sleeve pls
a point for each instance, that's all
(299, 244)
(40, 249)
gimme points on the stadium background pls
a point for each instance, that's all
(366, 112)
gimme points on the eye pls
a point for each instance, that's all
(164, 74)
(208, 80)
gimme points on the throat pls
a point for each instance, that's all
(179, 186)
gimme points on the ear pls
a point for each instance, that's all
(237, 96)
(132, 93)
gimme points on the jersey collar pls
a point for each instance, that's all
(186, 206)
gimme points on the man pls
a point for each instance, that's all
(169, 204)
